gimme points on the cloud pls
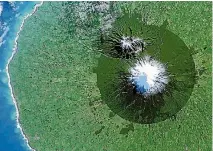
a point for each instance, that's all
(1, 8)
(13, 5)
(3, 35)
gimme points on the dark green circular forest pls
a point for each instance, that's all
(113, 67)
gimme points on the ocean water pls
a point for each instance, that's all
(11, 16)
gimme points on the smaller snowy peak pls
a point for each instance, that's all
(131, 44)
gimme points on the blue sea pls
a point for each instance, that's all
(11, 16)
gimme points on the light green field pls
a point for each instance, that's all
(56, 89)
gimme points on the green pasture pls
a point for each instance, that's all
(55, 85)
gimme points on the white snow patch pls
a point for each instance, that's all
(155, 71)
(132, 44)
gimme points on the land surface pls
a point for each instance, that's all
(56, 90)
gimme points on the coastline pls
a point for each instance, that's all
(48, 131)
(9, 81)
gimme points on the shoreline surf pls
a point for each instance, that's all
(8, 75)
